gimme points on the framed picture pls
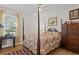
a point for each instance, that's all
(52, 21)
(74, 14)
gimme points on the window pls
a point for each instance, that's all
(9, 24)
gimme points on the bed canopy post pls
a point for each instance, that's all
(61, 25)
(23, 28)
(38, 41)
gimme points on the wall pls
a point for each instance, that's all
(66, 13)
(56, 11)
(30, 24)
(62, 12)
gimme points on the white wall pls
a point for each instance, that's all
(61, 13)
(44, 20)
(30, 24)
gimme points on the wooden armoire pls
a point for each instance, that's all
(70, 36)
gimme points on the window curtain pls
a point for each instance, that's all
(1, 22)
(18, 29)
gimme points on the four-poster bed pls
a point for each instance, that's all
(42, 43)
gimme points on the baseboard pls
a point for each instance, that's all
(19, 43)
(4, 46)
(28, 49)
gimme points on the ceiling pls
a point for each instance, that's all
(32, 8)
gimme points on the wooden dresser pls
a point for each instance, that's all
(70, 36)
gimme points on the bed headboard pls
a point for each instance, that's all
(52, 30)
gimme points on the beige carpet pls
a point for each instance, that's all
(61, 51)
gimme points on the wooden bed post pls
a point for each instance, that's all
(23, 28)
(61, 25)
(38, 41)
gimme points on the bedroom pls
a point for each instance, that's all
(52, 19)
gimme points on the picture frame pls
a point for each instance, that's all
(52, 21)
(74, 14)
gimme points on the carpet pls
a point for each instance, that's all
(23, 51)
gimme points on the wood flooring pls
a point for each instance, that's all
(58, 51)
(10, 49)
(61, 51)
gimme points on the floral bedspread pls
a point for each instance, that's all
(48, 42)
(31, 42)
